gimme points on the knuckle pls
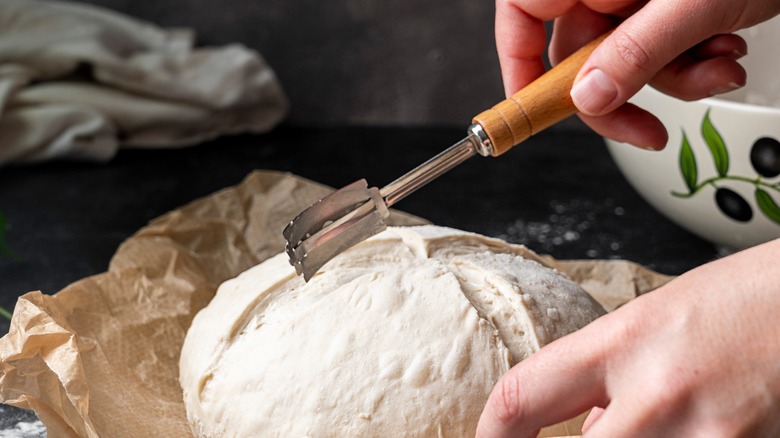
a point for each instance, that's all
(671, 392)
(673, 385)
(668, 392)
(632, 55)
(628, 329)
(507, 405)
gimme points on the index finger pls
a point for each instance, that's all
(556, 383)
(520, 42)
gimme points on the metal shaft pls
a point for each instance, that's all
(474, 143)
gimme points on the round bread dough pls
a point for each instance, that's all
(404, 334)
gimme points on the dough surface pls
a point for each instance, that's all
(404, 334)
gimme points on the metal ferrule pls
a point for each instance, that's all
(480, 139)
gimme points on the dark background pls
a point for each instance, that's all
(375, 88)
(368, 62)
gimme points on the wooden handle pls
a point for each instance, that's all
(540, 104)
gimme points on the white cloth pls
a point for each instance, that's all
(79, 81)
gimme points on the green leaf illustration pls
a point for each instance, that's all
(4, 312)
(716, 145)
(4, 249)
(688, 164)
(768, 205)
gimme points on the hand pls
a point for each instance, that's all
(684, 48)
(699, 357)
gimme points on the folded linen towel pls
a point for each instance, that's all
(80, 81)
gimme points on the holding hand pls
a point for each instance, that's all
(699, 357)
(685, 48)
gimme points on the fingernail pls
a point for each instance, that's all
(594, 92)
(731, 86)
(737, 54)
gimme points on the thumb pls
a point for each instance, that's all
(637, 50)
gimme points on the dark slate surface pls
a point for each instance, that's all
(559, 193)
(355, 61)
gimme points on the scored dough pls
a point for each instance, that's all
(404, 334)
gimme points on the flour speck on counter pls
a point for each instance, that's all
(569, 223)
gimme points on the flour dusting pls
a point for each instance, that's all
(568, 223)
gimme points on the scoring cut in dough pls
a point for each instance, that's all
(404, 334)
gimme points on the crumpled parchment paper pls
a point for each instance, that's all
(100, 358)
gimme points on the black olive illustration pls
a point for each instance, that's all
(765, 157)
(733, 205)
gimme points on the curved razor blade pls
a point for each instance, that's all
(333, 224)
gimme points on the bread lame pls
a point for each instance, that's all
(357, 212)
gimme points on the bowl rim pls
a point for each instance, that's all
(721, 102)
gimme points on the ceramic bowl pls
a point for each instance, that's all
(719, 175)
